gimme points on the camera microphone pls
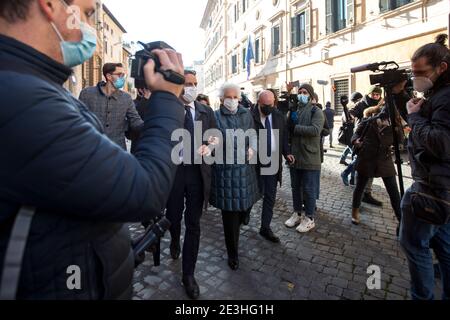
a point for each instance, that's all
(366, 67)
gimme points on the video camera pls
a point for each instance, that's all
(150, 241)
(140, 59)
(387, 77)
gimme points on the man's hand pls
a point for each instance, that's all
(170, 60)
(289, 86)
(213, 141)
(357, 142)
(414, 105)
(250, 153)
(290, 159)
(204, 151)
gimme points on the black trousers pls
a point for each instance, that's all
(268, 186)
(231, 228)
(391, 186)
(188, 185)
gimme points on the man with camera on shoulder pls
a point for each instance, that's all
(58, 164)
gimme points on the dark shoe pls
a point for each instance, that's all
(269, 235)
(245, 218)
(367, 198)
(191, 287)
(352, 181)
(233, 264)
(343, 162)
(175, 249)
(344, 178)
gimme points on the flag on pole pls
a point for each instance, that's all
(249, 56)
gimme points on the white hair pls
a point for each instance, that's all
(228, 86)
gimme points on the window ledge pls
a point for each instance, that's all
(399, 10)
(301, 47)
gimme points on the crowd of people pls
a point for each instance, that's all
(74, 178)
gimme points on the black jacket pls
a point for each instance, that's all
(205, 115)
(278, 122)
(375, 156)
(429, 140)
(55, 158)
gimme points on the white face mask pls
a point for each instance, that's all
(231, 104)
(190, 94)
(422, 84)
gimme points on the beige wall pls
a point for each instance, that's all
(373, 37)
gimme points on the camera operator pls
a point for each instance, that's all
(425, 206)
(55, 157)
(374, 139)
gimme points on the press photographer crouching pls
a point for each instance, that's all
(426, 205)
(63, 182)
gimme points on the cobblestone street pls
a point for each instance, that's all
(330, 262)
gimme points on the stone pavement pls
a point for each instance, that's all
(330, 262)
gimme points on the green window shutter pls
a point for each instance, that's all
(350, 13)
(329, 16)
(294, 32)
(308, 36)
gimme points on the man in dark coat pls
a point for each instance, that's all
(57, 159)
(266, 116)
(429, 151)
(193, 183)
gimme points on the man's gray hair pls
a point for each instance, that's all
(227, 86)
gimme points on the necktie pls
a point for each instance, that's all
(269, 137)
(189, 126)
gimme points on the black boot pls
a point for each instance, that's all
(175, 249)
(367, 198)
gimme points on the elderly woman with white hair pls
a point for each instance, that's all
(234, 187)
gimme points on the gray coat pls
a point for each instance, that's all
(117, 112)
(234, 186)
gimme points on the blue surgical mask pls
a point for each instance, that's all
(119, 83)
(303, 99)
(75, 53)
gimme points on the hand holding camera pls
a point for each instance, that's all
(170, 60)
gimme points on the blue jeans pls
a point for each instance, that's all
(345, 153)
(350, 170)
(416, 239)
(305, 185)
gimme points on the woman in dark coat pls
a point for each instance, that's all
(375, 139)
(234, 187)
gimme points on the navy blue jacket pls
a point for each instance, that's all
(234, 185)
(55, 157)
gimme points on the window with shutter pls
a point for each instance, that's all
(257, 48)
(350, 12)
(386, 5)
(275, 40)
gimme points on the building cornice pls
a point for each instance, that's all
(109, 13)
(207, 13)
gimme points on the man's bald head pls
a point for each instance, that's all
(266, 97)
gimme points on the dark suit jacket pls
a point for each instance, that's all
(278, 122)
(206, 115)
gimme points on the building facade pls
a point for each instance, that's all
(313, 40)
(110, 48)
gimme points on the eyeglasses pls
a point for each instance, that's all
(120, 75)
(193, 72)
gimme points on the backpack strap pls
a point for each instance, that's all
(14, 253)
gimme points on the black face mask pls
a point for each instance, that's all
(266, 109)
